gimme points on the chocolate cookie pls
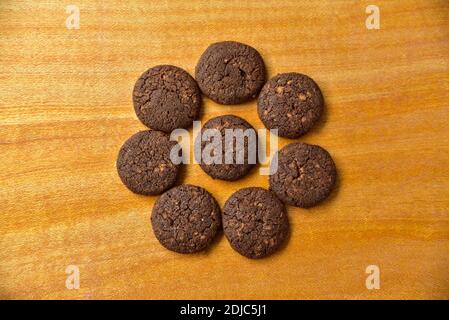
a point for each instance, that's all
(144, 164)
(255, 222)
(230, 72)
(232, 157)
(185, 219)
(166, 97)
(291, 103)
(305, 176)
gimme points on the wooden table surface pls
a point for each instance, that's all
(66, 109)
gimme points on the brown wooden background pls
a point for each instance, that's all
(65, 110)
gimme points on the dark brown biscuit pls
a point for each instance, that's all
(241, 152)
(255, 222)
(230, 72)
(291, 103)
(186, 219)
(166, 97)
(144, 164)
(305, 176)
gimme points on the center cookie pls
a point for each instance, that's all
(229, 149)
(144, 164)
(166, 98)
(305, 176)
(186, 219)
(230, 72)
(290, 102)
(255, 222)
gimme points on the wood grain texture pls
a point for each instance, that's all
(65, 110)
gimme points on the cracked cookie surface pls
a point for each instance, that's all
(186, 219)
(255, 222)
(290, 102)
(166, 98)
(230, 72)
(305, 176)
(144, 164)
(244, 150)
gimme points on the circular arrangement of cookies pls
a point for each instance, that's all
(187, 218)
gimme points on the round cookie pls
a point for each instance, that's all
(290, 102)
(185, 219)
(305, 176)
(144, 164)
(230, 72)
(166, 97)
(255, 222)
(243, 156)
